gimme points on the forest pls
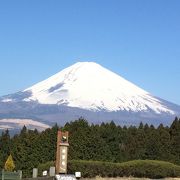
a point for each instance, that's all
(106, 142)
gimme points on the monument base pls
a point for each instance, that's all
(65, 177)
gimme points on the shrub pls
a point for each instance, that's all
(45, 166)
(136, 168)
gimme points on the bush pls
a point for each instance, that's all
(45, 166)
(136, 168)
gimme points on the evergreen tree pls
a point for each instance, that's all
(165, 143)
(105, 142)
(24, 150)
(79, 139)
(175, 139)
(5, 147)
(9, 165)
(152, 143)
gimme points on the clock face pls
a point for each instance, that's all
(64, 139)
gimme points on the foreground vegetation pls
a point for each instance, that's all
(136, 168)
(106, 142)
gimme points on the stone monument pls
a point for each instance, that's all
(62, 152)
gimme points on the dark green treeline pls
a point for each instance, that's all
(105, 142)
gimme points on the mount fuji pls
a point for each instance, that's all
(88, 90)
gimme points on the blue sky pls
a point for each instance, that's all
(137, 39)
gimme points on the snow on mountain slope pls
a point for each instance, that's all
(19, 123)
(89, 86)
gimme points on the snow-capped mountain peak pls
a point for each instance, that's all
(90, 86)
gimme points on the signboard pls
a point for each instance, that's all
(78, 174)
(63, 158)
(44, 173)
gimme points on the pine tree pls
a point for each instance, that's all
(164, 139)
(9, 165)
(175, 139)
(5, 146)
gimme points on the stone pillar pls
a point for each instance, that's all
(2, 174)
(35, 172)
(52, 171)
(62, 152)
(20, 174)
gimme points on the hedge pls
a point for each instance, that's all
(136, 168)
